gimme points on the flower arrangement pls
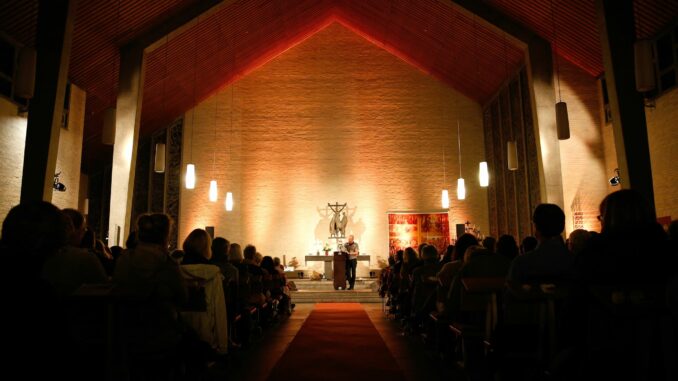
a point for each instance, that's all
(293, 262)
(327, 247)
(381, 262)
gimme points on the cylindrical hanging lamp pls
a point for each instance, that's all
(445, 199)
(644, 65)
(229, 201)
(213, 190)
(108, 131)
(512, 151)
(159, 162)
(483, 174)
(562, 121)
(190, 176)
(461, 189)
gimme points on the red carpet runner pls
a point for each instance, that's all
(337, 342)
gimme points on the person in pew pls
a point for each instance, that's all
(255, 275)
(450, 270)
(447, 256)
(577, 241)
(550, 260)
(425, 282)
(490, 243)
(220, 247)
(507, 247)
(627, 267)
(152, 288)
(73, 266)
(210, 323)
(528, 244)
(277, 283)
(37, 345)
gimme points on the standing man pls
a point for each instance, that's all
(352, 249)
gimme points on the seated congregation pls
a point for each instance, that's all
(597, 306)
(142, 313)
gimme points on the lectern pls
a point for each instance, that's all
(339, 262)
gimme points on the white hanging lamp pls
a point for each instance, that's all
(159, 161)
(190, 167)
(461, 188)
(483, 174)
(213, 190)
(229, 201)
(190, 176)
(229, 195)
(445, 199)
(444, 196)
(512, 155)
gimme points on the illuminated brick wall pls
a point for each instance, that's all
(583, 157)
(663, 138)
(13, 140)
(335, 118)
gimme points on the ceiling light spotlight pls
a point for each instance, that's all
(615, 180)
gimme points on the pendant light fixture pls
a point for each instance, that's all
(461, 188)
(562, 120)
(483, 174)
(108, 129)
(160, 157)
(445, 196)
(644, 66)
(511, 145)
(229, 196)
(190, 167)
(159, 162)
(229, 201)
(512, 159)
(213, 193)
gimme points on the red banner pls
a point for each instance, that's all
(411, 230)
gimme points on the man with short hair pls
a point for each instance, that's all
(550, 261)
(351, 247)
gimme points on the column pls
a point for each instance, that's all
(53, 43)
(617, 34)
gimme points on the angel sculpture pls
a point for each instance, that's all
(342, 224)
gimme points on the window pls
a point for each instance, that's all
(7, 63)
(666, 60)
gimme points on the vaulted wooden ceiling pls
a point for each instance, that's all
(436, 36)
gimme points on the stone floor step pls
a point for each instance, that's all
(315, 296)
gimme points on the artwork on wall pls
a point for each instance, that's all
(412, 229)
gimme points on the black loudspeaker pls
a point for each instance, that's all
(210, 231)
(461, 229)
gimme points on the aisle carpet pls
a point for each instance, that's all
(337, 342)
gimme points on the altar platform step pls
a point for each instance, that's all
(341, 296)
(318, 291)
(328, 285)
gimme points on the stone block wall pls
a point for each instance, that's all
(333, 119)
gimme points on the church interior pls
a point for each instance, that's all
(331, 175)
